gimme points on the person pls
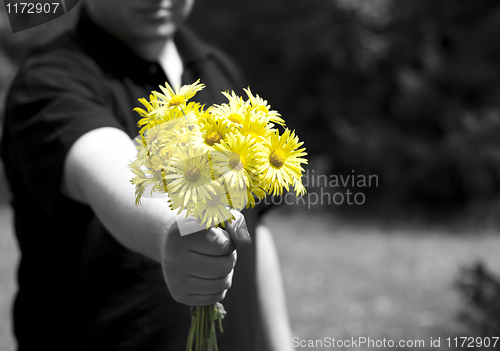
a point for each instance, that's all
(98, 272)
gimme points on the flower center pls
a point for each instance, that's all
(176, 100)
(235, 118)
(183, 141)
(193, 173)
(277, 158)
(235, 163)
(213, 137)
(214, 201)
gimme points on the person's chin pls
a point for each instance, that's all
(166, 29)
(157, 32)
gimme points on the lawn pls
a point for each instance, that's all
(346, 280)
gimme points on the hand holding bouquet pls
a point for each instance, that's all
(211, 161)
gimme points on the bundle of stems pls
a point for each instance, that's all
(202, 331)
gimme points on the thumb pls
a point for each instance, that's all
(238, 230)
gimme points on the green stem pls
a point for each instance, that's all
(203, 328)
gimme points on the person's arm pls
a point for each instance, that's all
(271, 294)
(197, 267)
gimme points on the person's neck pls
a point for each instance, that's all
(150, 50)
(165, 54)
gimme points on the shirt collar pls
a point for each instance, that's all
(113, 53)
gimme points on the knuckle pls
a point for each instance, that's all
(228, 283)
(228, 267)
(222, 285)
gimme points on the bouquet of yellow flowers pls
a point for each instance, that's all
(212, 160)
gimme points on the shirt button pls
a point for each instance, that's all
(153, 69)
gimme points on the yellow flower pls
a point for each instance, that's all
(208, 161)
(260, 105)
(234, 100)
(236, 164)
(177, 202)
(256, 126)
(204, 117)
(232, 113)
(213, 131)
(298, 187)
(168, 106)
(164, 139)
(148, 120)
(178, 97)
(282, 162)
(190, 175)
(149, 174)
(150, 105)
(214, 209)
(245, 198)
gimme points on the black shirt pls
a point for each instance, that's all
(79, 289)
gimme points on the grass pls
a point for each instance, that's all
(343, 279)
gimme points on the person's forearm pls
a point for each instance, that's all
(106, 188)
(197, 268)
(271, 293)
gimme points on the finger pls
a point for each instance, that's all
(238, 230)
(213, 242)
(209, 286)
(209, 267)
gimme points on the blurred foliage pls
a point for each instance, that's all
(406, 90)
(480, 289)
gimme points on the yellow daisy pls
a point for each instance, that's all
(149, 174)
(245, 198)
(234, 100)
(178, 97)
(190, 175)
(204, 117)
(282, 161)
(140, 180)
(232, 113)
(148, 120)
(150, 105)
(298, 187)
(212, 132)
(256, 126)
(260, 105)
(177, 202)
(214, 209)
(162, 140)
(235, 160)
(173, 133)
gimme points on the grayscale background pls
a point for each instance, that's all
(407, 91)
